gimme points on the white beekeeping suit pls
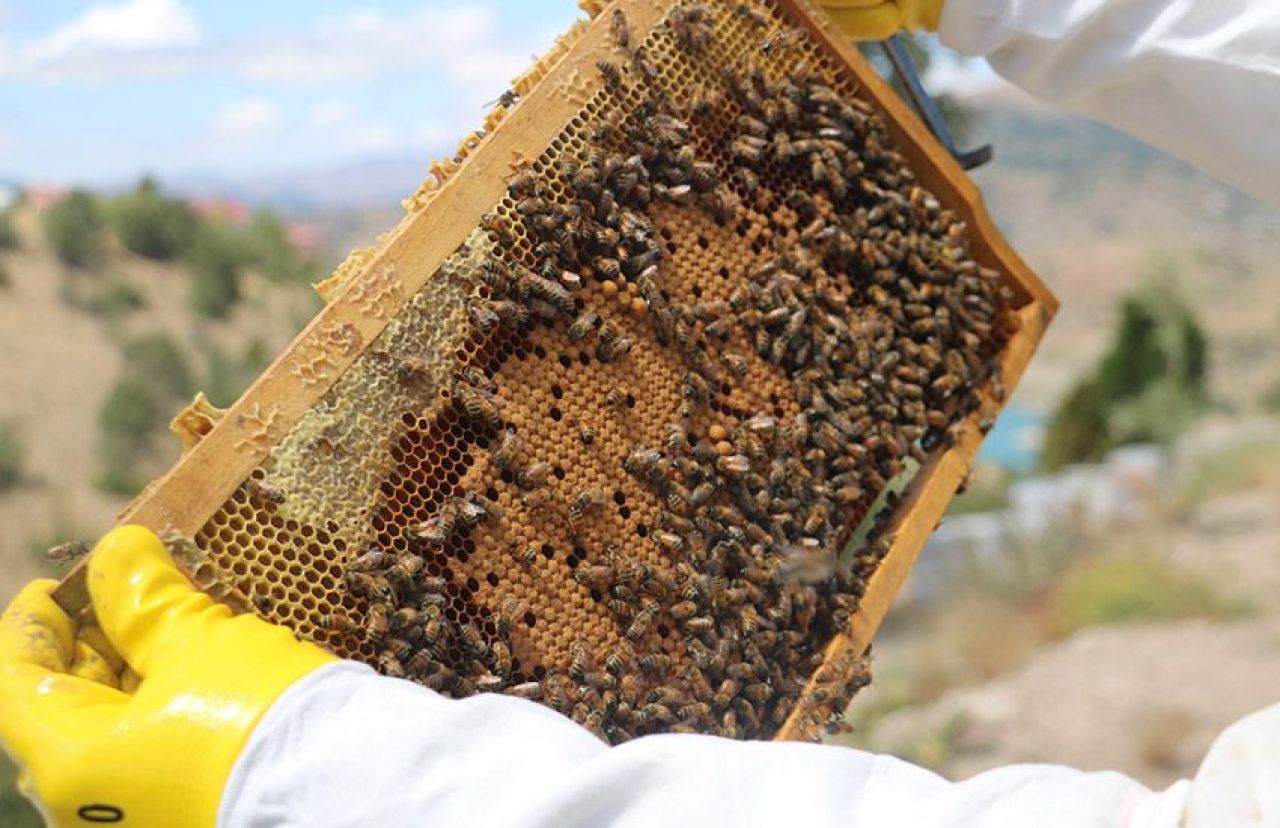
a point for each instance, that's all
(1199, 79)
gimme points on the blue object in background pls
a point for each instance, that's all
(1014, 443)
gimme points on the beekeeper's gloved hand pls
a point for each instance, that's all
(159, 752)
(880, 19)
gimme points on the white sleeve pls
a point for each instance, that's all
(346, 747)
(1199, 79)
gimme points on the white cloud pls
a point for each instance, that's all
(247, 119)
(331, 112)
(137, 38)
(367, 139)
(364, 43)
(147, 35)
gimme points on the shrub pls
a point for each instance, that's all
(12, 453)
(110, 299)
(215, 259)
(274, 255)
(1271, 399)
(1130, 587)
(130, 415)
(151, 225)
(73, 227)
(8, 231)
(158, 361)
(1078, 431)
(1148, 387)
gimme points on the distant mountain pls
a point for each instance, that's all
(350, 186)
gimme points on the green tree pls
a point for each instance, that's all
(1078, 431)
(74, 227)
(9, 239)
(215, 261)
(157, 359)
(274, 254)
(1150, 384)
(151, 225)
(12, 453)
(127, 420)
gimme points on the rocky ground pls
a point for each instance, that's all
(1147, 698)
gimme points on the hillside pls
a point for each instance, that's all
(1094, 212)
(61, 356)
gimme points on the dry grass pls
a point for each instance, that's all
(1126, 587)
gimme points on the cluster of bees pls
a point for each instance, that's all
(872, 309)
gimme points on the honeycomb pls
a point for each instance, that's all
(613, 454)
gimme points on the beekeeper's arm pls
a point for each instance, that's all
(1199, 79)
(175, 713)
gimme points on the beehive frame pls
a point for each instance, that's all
(372, 288)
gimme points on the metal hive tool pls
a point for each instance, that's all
(465, 468)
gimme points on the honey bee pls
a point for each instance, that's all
(654, 662)
(692, 26)
(390, 665)
(616, 399)
(339, 622)
(495, 275)
(405, 570)
(473, 510)
(506, 100)
(504, 453)
(372, 560)
(67, 552)
(706, 101)
(527, 555)
(498, 226)
(533, 475)
(733, 465)
(683, 610)
(582, 326)
(668, 541)
(751, 14)
(614, 348)
(478, 379)
(584, 500)
(470, 639)
(479, 405)
(587, 434)
(500, 658)
(531, 690)
(419, 664)
(641, 622)
(748, 148)
(377, 623)
(537, 499)
(368, 586)
(434, 530)
(611, 73)
(640, 60)
(266, 491)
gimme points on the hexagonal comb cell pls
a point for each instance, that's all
(612, 454)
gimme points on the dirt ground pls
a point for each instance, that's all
(1143, 699)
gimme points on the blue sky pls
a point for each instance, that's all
(100, 92)
(104, 91)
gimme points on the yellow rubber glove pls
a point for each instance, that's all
(880, 19)
(159, 754)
